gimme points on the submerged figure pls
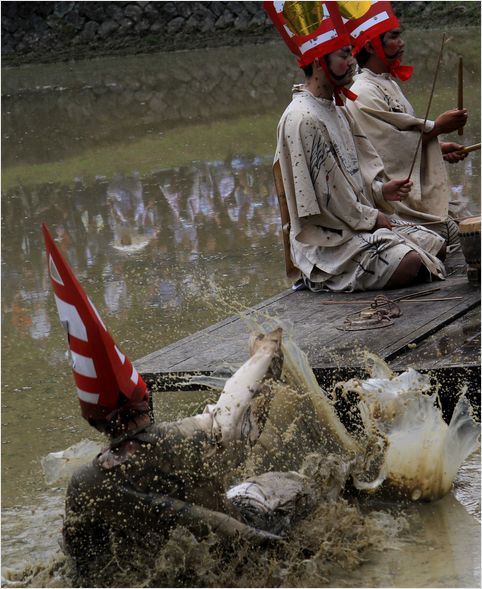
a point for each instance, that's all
(152, 477)
(155, 476)
(339, 200)
(390, 123)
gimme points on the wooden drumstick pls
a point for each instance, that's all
(428, 106)
(470, 148)
(460, 104)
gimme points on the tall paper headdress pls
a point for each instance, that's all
(103, 374)
(366, 21)
(310, 30)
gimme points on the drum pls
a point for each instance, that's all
(470, 241)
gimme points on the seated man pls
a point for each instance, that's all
(333, 180)
(389, 121)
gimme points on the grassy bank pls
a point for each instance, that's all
(180, 147)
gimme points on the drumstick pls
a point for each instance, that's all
(470, 148)
(460, 105)
(428, 106)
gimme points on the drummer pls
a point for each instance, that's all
(390, 122)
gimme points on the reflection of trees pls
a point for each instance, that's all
(210, 215)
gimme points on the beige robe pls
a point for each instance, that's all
(389, 121)
(333, 181)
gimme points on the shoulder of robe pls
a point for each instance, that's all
(298, 121)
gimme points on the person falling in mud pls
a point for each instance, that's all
(389, 121)
(339, 200)
(153, 477)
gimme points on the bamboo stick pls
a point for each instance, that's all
(428, 106)
(470, 148)
(439, 299)
(420, 293)
(460, 104)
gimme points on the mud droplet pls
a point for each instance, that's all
(417, 493)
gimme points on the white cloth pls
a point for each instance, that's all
(390, 123)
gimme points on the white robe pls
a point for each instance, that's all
(389, 121)
(333, 181)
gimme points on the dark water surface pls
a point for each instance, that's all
(154, 174)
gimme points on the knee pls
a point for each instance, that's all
(442, 253)
(411, 265)
(82, 486)
(407, 271)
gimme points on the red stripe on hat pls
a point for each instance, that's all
(379, 19)
(85, 383)
(329, 36)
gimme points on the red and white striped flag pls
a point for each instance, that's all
(102, 372)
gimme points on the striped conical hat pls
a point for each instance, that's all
(374, 19)
(103, 374)
(310, 29)
(366, 21)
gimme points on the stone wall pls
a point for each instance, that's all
(34, 31)
(53, 31)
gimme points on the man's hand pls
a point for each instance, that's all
(382, 222)
(396, 189)
(451, 120)
(108, 458)
(451, 152)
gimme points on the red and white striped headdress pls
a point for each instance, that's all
(310, 29)
(377, 17)
(102, 372)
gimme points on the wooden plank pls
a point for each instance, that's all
(457, 344)
(315, 327)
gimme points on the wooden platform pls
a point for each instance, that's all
(437, 331)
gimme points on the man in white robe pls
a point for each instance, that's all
(337, 194)
(390, 122)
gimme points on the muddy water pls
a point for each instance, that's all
(154, 174)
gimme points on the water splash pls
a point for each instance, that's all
(59, 466)
(305, 434)
(423, 453)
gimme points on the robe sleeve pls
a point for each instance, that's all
(373, 105)
(389, 121)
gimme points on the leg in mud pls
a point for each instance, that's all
(198, 520)
(103, 512)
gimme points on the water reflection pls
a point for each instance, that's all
(98, 102)
(177, 215)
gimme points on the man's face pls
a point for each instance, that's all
(393, 44)
(341, 65)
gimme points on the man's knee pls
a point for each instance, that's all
(407, 271)
(442, 253)
(85, 484)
